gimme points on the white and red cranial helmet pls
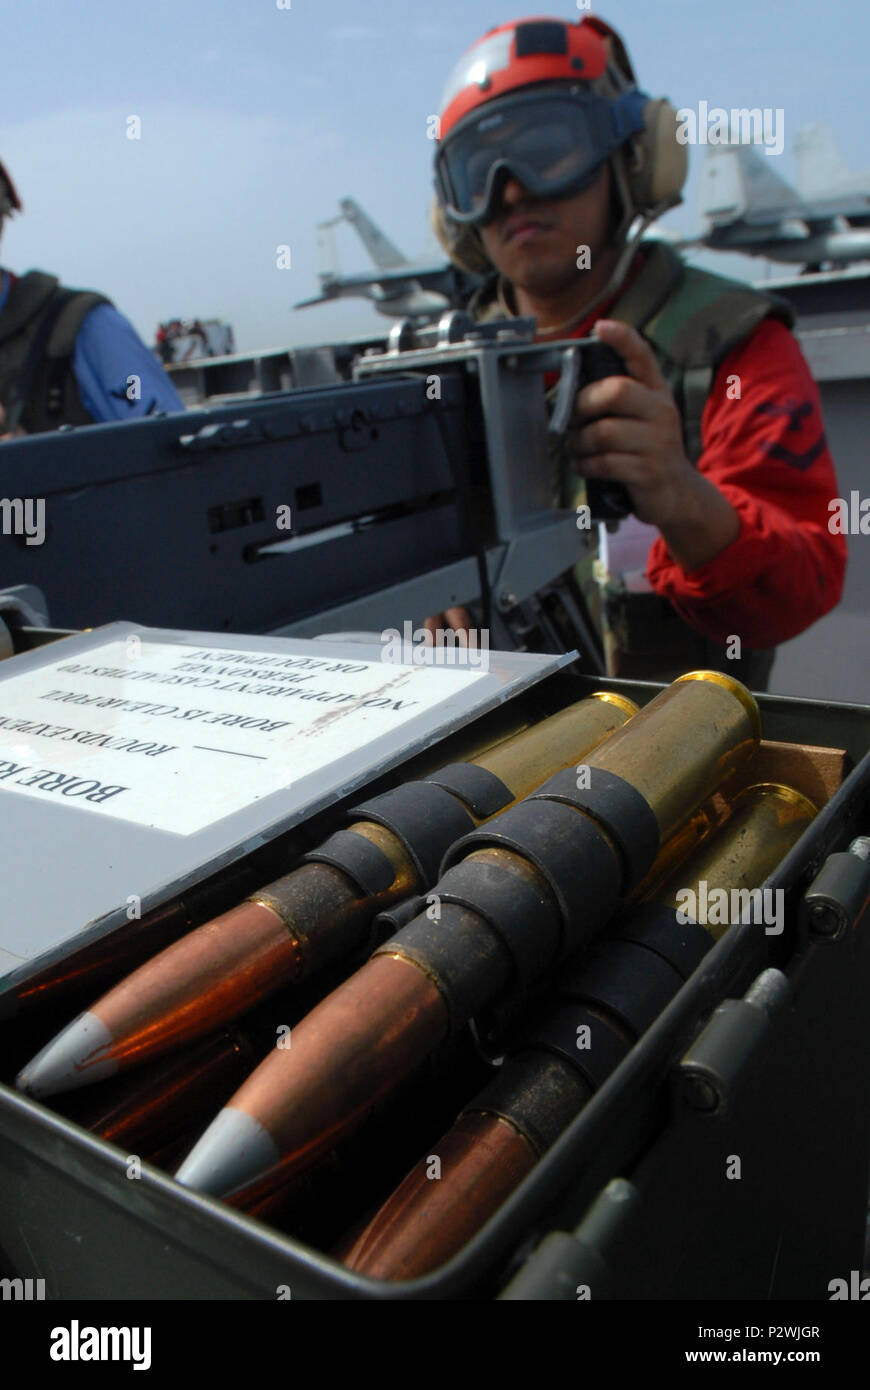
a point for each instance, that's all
(526, 52)
(548, 101)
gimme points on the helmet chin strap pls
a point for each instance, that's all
(624, 233)
(620, 270)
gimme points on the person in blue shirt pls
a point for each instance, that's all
(68, 357)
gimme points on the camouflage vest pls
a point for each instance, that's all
(691, 319)
(39, 324)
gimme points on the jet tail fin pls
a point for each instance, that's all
(327, 256)
(738, 183)
(382, 251)
(820, 163)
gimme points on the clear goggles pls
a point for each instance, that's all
(552, 143)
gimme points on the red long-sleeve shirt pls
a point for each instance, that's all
(767, 454)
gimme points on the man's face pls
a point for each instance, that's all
(533, 242)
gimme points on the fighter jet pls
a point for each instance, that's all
(398, 288)
(750, 208)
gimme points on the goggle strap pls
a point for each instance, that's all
(626, 114)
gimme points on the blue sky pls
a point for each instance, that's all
(256, 120)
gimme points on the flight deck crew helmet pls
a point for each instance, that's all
(548, 101)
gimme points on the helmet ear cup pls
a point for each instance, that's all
(462, 244)
(658, 170)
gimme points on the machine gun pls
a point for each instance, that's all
(425, 481)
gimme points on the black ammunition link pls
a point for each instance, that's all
(426, 818)
(654, 925)
(526, 920)
(557, 1029)
(363, 862)
(618, 806)
(626, 979)
(386, 925)
(460, 953)
(539, 1095)
(397, 917)
(569, 850)
(482, 792)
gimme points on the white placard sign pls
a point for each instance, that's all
(177, 737)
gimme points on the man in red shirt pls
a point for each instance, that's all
(548, 155)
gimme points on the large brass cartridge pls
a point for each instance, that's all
(584, 839)
(564, 1054)
(766, 821)
(320, 912)
(515, 896)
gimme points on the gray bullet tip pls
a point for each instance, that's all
(233, 1150)
(71, 1060)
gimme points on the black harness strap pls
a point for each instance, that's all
(24, 385)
